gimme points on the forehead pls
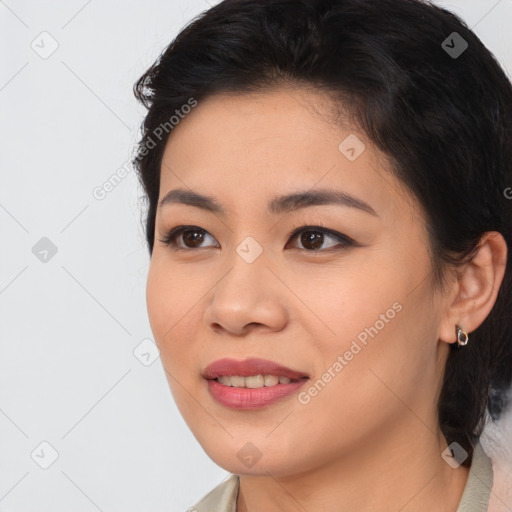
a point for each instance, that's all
(237, 147)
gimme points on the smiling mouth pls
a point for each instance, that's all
(243, 397)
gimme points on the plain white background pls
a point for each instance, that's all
(73, 372)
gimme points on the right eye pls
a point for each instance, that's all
(192, 235)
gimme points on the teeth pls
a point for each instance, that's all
(253, 382)
(224, 379)
(271, 380)
(237, 381)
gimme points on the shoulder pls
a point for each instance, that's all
(477, 491)
(221, 498)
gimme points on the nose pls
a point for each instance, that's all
(249, 296)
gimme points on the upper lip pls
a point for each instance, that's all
(253, 366)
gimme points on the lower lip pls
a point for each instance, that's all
(250, 398)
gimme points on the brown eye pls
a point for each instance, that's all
(312, 238)
(192, 237)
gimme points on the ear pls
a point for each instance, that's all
(473, 293)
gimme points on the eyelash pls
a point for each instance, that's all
(170, 238)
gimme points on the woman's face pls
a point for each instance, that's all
(350, 308)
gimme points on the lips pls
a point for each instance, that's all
(248, 367)
(251, 397)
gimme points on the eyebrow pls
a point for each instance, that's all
(277, 205)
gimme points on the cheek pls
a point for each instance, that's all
(157, 297)
(173, 304)
(171, 297)
(168, 294)
(371, 331)
(354, 391)
(345, 304)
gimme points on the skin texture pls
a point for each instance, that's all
(369, 440)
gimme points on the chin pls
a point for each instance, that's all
(246, 458)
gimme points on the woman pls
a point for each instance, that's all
(329, 210)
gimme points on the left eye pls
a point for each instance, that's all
(312, 238)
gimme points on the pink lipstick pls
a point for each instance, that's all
(252, 383)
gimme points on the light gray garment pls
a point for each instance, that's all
(477, 491)
(475, 497)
